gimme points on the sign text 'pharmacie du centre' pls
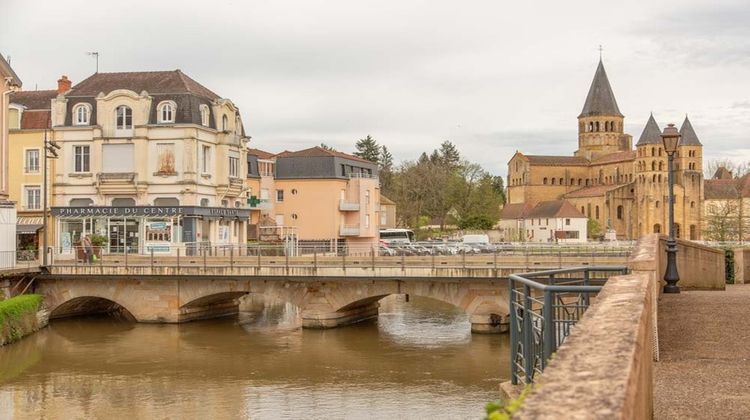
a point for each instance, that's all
(148, 211)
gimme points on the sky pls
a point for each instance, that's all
(492, 77)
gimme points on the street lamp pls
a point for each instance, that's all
(671, 139)
(50, 152)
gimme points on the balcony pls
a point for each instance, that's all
(349, 230)
(348, 205)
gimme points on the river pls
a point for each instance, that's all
(417, 360)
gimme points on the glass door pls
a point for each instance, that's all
(132, 233)
(116, 236)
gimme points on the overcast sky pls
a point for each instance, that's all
(493, 77)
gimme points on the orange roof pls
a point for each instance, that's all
(557, 160)
(555, 208)
(261, 154)
(515, 210)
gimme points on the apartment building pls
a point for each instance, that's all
(29, 123)
(9, 82)
(322, 198)
(151, 161)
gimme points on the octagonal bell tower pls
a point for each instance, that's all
(600, 125)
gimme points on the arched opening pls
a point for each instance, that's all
(620, 212)
(211, 306)
(544, 181)
(90, 305)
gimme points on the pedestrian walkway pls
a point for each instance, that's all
(704, 371)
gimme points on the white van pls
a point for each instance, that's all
(476, 239)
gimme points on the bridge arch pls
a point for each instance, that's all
(90, 305)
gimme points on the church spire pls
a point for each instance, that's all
(689, 138)
(651, 133)
(600, 100)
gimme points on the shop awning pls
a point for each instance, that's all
(26, 225)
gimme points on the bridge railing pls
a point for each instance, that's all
(544, 307)
(310, 255)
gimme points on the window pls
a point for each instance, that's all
(224, 123)
(123, 202)
(596, 212)
(657, 228)
(205, 159)
(367, 197)
(367, 221)
(264, 193)
(567, 222)
(32, 160)
(620, 212)
(279, 196)
(14, 118)
(224, 203)
(204, 115)
(123, 120)
(234, 166)
(118, 158)
(33, 197)
(204, 202)
(81, 114)
(166, 111)
(81, 158)
(81, 202)
(544, 181)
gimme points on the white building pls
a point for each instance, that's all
(555, 221)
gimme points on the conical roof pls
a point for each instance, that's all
(651, 133)
(689, 138)
(600, 100)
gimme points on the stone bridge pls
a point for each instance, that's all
(327, 292)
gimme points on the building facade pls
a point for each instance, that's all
(621, 188)
(29, 123)
(150, 161)
(324, 199)
(727, 207)
(9, 83)
(555, 221)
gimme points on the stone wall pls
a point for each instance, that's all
(742, 265)
(605, 367)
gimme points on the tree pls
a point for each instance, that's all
(737, 169)
(368, 149)
(385, 170)
(449, 155)
(722, 223)
(327, 147)
(593, 228)
(498, 185)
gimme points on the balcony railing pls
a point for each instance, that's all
(348, 205)
(349, 230)
(362, 175)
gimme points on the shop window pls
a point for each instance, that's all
(81, 158)
(123, 202)
(31, 161)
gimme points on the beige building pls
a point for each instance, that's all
(388, 218)
(323, 199)
(609, 182)
(727, 207)
(149, 161)
(555, 221)
(29, 121)
(9, 82)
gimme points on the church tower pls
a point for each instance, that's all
(600, 125)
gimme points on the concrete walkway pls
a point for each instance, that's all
(704, 372)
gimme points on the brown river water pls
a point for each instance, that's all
(418, 360)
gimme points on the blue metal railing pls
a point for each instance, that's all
(544, 306)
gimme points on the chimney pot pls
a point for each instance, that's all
(63, 84)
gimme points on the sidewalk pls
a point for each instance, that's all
(704, 372)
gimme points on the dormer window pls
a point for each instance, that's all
(204, 115)
(81, 114)
(224, 123)
(123, 121)
(166, 111)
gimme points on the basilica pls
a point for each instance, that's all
(623, 189)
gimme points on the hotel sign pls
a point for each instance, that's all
(150, 211)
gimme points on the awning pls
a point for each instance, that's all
(27, 229)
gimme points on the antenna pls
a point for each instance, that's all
(95, 54)
(600, 52)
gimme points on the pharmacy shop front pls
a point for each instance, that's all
(147, 229)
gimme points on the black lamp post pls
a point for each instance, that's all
(50, 152)
(671, 139)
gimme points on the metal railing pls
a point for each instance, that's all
(544, 307)
(325, 253)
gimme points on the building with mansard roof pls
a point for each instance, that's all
(622, 187)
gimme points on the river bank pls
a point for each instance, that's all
(20, 316)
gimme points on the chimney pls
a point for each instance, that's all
(63, 84)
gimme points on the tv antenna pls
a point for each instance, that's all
(95, 54)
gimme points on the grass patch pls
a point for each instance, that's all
(12, 312)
